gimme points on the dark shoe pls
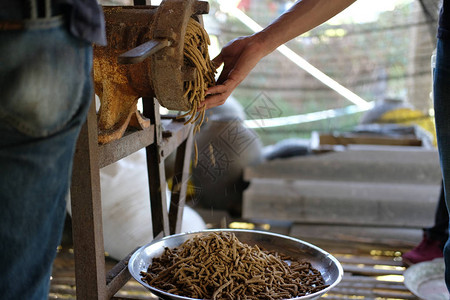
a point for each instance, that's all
(428, 249)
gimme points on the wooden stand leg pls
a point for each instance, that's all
(179, 184)
(87, 215)
(156, 172)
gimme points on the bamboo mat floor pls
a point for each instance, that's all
(371, 271)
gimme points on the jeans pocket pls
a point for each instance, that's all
(44, 79)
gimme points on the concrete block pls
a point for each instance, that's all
(340, 202)
(358, 165)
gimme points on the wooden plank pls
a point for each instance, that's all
(369, 286)
(60, 280)
(371, 271)
(338, 247)
(371, 294)
(87, 215)
(373, 280)
(135, 287)
(368, 261)
(118, 276)
(340, 297)
(134, 297)
(367, 139)
(128, 144)
(67, 291)
(178, 133)
(370, 279)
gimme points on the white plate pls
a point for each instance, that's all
(426, 280)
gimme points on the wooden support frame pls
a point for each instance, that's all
(156, 172)
(92, 282)
(85, 201)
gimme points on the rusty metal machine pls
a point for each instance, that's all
(144, 55)
(143, 59)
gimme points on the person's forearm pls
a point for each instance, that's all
(241, 55)
(300, 18)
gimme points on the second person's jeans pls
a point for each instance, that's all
(441, 88)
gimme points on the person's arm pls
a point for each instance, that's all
(241, 55)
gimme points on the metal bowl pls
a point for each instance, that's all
(324, 262)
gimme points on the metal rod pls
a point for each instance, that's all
(141, 52)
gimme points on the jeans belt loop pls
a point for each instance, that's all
(34, 8)
(33, 19)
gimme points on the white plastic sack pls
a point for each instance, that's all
(126, 206)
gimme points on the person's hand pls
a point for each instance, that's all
(239, 57)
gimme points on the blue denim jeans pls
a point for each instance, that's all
(441, 87)
(45, 92)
